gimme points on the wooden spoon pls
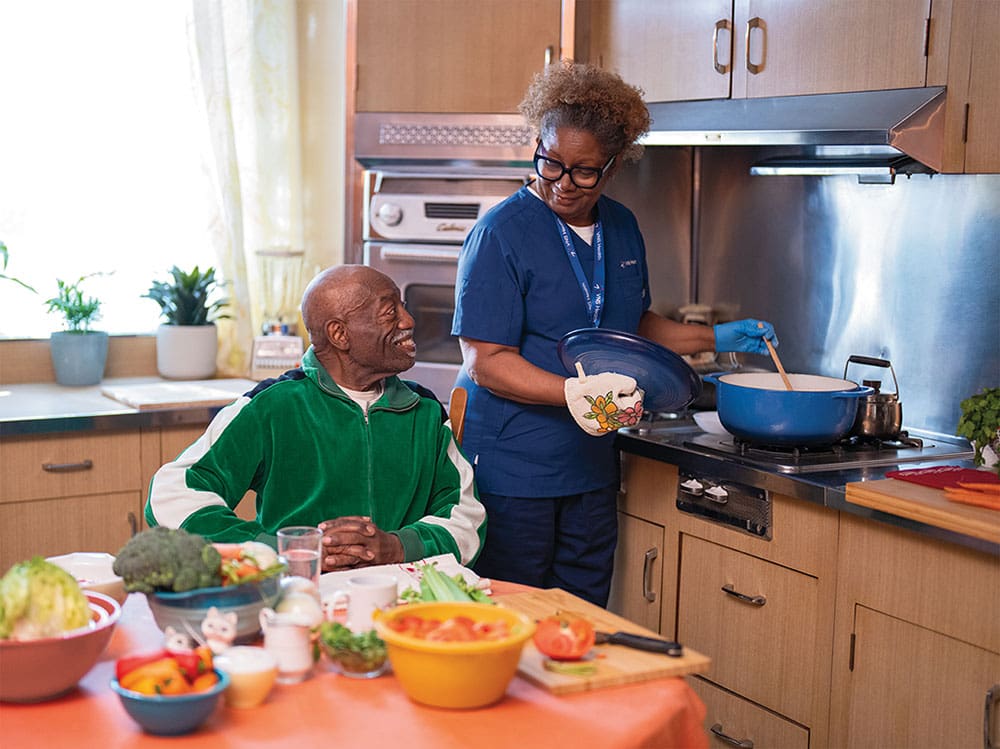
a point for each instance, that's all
(777, 362)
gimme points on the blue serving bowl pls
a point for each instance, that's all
(191, 607)
(171, 715)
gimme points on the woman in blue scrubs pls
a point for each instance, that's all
(554, 257)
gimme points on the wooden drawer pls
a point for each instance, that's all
(729, 715)
(57, 465)
(765, 652)
(60, 526)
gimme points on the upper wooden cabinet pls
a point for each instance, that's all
(677, 50)
(451, 55)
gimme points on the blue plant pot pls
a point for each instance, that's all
(79, 358)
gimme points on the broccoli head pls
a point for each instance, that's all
(168, 559)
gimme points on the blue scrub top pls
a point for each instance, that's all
(516, 288)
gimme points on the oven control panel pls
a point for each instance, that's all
(743, 507)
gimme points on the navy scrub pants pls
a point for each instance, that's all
(553, 542)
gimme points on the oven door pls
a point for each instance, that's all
(425, 274)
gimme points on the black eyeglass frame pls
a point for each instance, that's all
(569, 170)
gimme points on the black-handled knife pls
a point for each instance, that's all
(650, 644)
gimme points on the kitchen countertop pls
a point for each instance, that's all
(46, 408)
(828, 488)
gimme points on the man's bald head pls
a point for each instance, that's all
(334, 294)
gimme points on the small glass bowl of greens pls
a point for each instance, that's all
(360, 655)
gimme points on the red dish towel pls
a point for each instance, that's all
(941, 477)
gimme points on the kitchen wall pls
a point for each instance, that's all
(908, 272)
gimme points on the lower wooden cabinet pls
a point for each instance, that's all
(638, 577)
(756, 619)
(731, 720)
(50, 527)
(68, 492)
(917, 643)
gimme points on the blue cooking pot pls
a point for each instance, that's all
(755, 406)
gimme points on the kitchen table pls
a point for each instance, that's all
(333, 710)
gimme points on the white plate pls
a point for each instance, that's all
(407, 574)
(93, 571)
(708, 421)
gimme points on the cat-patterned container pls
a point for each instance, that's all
(186, 612)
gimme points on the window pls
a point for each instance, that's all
(99, 157)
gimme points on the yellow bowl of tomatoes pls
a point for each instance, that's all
(454, 654)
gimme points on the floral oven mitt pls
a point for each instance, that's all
(603, 403)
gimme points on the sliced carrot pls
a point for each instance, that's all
(229, 551)
(988, 488)
(973, 498)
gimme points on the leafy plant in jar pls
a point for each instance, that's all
(980, 424)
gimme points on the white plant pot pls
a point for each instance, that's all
(186, 352)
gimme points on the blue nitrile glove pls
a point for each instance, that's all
(744, 335)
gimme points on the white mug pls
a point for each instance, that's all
(364, 595)
(287, 637)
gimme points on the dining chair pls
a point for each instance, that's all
(456, 412)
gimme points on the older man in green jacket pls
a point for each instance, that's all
(341, 442)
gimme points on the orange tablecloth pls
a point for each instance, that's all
(332, 710)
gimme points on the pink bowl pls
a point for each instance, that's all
(38, 670)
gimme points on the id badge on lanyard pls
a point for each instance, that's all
(593, 293)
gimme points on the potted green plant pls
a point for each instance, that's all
(980, 424)
(78, 353)
(187, 341)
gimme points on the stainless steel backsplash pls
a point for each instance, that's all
(908, 272)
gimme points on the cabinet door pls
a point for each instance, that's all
(911, 686)
(671, 49)
(60, 526)
(762, 635)
(828, 46)
(638, 576)
(982, 148)
(730, 720)
(451, 55)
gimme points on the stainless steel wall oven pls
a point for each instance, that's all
(414, 226)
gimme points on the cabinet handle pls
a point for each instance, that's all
(83, 465)
(742, 743)
(549, 53)
(757, 23)
(992, 694)
(722, 25)
(729, 590)
(647, 575)
(133, 523)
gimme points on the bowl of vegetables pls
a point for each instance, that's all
(454, 654)
(169, 693)
(184, 576)
(51, 632)
(360, 655)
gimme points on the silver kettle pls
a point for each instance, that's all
(880, 415)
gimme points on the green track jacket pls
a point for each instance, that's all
(310, 454)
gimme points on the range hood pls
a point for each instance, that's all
(873, 134)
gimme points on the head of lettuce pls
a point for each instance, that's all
(40, 599)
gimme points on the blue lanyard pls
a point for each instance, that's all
(595, 300)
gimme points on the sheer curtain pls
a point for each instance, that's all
(244, 63)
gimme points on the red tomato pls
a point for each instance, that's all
(564, 638)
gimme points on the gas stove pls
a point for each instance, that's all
(849, 453)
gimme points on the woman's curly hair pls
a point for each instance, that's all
(585, 97)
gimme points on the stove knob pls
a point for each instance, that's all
(693, 486)
(390, 214)
(717, 493)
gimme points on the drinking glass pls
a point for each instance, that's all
(299, 547)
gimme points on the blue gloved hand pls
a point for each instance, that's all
(744, 335)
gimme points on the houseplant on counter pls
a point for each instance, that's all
(980, 424)
(78, 353)
(187, 343)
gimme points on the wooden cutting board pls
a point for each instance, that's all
(188, 394)
(616, 664)
(926, 505)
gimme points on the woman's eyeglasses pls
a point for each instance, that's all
(585, 177)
